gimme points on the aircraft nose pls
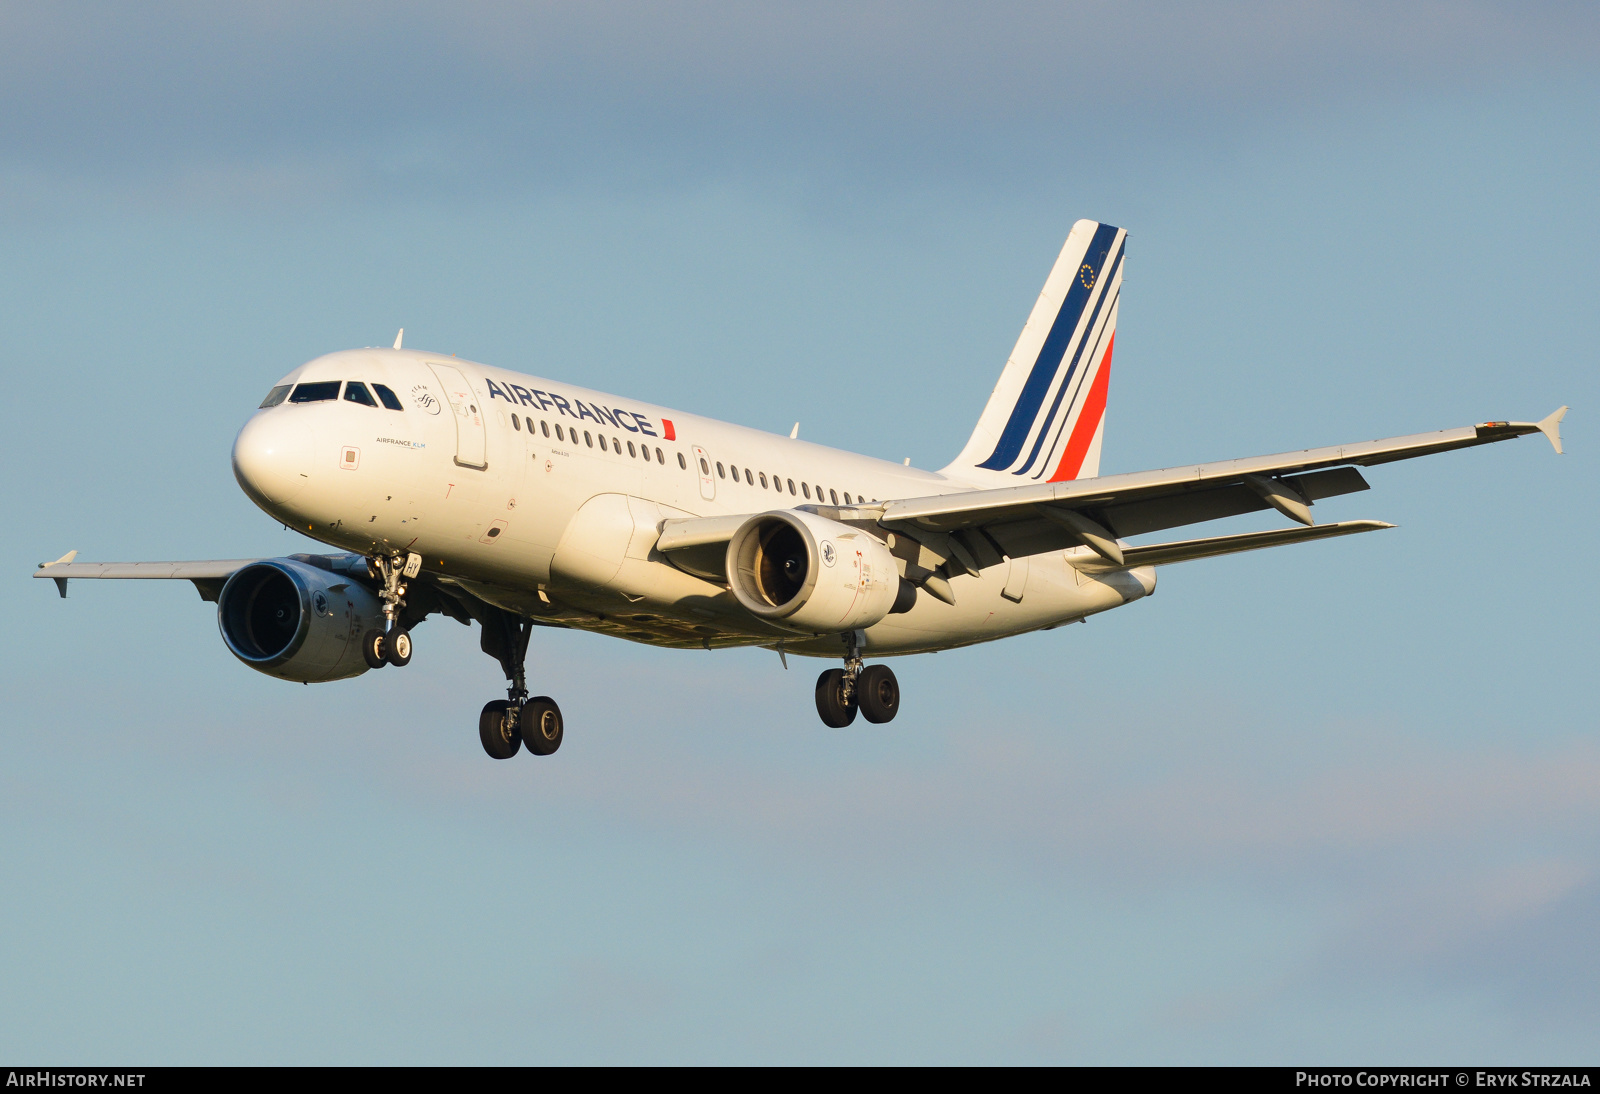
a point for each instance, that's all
(271, 459)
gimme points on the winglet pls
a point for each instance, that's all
(61, 582)
(399, 338)
(1551, 428)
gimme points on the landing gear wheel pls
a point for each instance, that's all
(373, 647)
(836, 711)
(878, 693)
(397, 648)
(541, 725)
(499, 733)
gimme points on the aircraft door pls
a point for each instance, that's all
(471, 445)
(708, 485)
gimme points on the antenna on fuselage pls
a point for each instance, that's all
(399, 338)
(795, 432)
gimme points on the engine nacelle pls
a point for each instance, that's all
(292, 620)
(811, 574)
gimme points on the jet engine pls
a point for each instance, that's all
(811, 574)
(295, 621)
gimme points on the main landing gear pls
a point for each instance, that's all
(392, 644)
(507, 724)
(872, 689)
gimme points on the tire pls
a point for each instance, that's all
(397, 649)
(831, 705)
(500, 740)
(373, 647)
(542, 725)
(878, 693)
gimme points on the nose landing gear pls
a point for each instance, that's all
(872, 690)
(392, 644)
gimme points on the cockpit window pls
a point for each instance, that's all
(275, 396)
(356, 392)
(387, 397)
(315, 393)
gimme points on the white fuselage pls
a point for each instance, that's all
(472, 476)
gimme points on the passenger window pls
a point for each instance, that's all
(275, 396)
(682, 462)
(662, 460)
(763, 480)
(315, 393)
(387, 397)
(807, 489)
(559, 435)
(834, 496)
(516, 421)
(720, 475)
(544, 427)
(705, 468)
(748, 479)
(631, 451)
(588, 440)
(356, 392)
(791, 486)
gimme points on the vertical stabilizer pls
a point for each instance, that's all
(1046, 417)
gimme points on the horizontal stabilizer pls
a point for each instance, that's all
(1163, 554)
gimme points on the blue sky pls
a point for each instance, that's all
(1335, 803)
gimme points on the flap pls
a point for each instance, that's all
(1162, 554)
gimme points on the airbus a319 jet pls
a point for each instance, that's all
(454, 488)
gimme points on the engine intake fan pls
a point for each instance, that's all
(811, 574)
(296, 622)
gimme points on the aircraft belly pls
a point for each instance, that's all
(991, 606)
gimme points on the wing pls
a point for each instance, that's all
(208, 576)
(1023, 520)
(969, 531)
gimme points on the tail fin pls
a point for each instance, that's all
(1045, 418)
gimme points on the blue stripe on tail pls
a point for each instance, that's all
(1026, 412)
(1077, 355)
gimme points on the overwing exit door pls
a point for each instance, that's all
(708, 485)
(471, 446)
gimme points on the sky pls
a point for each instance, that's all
(1335, 803)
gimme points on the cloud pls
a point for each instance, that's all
(415, 98)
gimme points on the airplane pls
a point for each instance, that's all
(454, 488)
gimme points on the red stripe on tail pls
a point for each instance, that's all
(1094, 408)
